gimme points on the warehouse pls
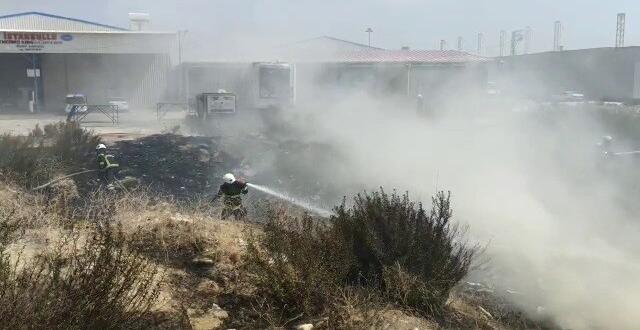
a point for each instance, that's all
(601, 74)
(328, 67)
(45, 57)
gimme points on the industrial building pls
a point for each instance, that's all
(601, 74)
(325, 66)
(44, 57)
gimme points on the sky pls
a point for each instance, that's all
(420, 24)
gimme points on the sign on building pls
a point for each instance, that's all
(33, 41)
(86, 42)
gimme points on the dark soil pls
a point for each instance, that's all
(175, 165)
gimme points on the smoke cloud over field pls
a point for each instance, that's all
(561, 224)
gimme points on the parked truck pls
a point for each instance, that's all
(260, 85)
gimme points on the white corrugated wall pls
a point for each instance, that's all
(154, 83)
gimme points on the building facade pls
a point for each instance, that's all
(601, 74)
(327, 67)
(45, 57)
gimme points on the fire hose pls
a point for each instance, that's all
(62, 178)
(74, 174)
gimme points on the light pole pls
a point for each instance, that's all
(369, 31)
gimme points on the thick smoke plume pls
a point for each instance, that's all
(559, 220)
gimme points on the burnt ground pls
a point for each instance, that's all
(175, 165)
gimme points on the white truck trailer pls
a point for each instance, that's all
(260, 85)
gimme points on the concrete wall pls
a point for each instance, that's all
(602, 73)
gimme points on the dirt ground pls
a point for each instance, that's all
(130, 123)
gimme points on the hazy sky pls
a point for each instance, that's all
(419, 24)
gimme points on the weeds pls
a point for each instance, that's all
(36, 158)
(384, 245)
(82, 283)
(414, 256)
(172, 242)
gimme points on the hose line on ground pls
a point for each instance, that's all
(62, 178)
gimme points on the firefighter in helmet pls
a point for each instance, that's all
(232, 190)
(106, 164)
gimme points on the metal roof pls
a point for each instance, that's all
(323, 42)
(374, 56)
(37, 21)
(333, 50)
(410, 56)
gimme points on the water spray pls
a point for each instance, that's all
(311, 208)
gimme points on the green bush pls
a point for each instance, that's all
(391, 236)
(36, 158)
(298, 264)
(384, 244)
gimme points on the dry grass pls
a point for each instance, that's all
(97, 253)
(81, 281)
(384, 252)
(35, 159)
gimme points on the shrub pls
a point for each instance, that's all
(172, 242)
(34, 159)
(355, 309)
(396, 242)
(83, 283)
(21, 158)
(384, 244)
(70, 143)
(298, 265)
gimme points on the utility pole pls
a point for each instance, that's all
(620, 30)
(369, 31)
(503, 41)
(516, 37)
(36, 102)
(460, 44)
(557, 35)
(184, 77)
(480, 42)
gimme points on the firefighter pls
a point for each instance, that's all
(73, 112)
(420, 105)
(232, 190)
(606, 145)
(107, 165)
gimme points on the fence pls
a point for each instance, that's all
(108, 111)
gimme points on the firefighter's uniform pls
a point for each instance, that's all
(232, 198)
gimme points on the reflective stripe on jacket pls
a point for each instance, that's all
(106, 162)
